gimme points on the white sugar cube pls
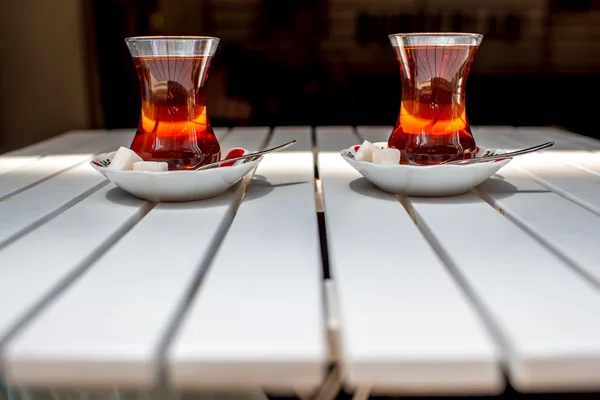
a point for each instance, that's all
(150, 166)
(123, 159)
(386, 156)
(365, 152)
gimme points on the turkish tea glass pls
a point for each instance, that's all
(432, 125)
(173, 125)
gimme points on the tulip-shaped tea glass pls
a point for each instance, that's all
(432, 125)
(173, 125)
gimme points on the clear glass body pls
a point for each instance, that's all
(174, 126)
(432, 124)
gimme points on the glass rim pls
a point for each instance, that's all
(446, 34)
(169, 38)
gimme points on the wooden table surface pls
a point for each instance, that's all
(389, 295)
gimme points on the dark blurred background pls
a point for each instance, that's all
(294, 62)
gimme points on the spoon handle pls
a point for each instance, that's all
(505, 155)
(249, 155)
(527, 150)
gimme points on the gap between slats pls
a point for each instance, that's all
(39, 181)
(82, 148)
(516, 141)
(193, 288)
(375, 135)
(578, 266)
(378, 134)
(203, 268)
(573, 264)
(524, 372)
(90, 260)
(332, 385)
(222, 231)
(585, 275)
(329, 291)
(78, 271)
(56, 289)
(563, 193)
(275, 350)
(456, 275)
(41, 221)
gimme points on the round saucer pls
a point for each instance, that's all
(178, 185)
(426, 181)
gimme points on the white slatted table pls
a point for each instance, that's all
(101, 290)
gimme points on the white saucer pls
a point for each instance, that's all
(177, 185)
(426, 181)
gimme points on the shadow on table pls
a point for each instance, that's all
(502, 189)
(122, 198)
(119, 196)
(363, 187)
(259, 188)
(497, 184)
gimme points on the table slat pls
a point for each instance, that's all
(405, 324)
(495, 137)
(258, 319)
(25, 209)
(573, 182)
(109, 326)
(220, 132)
(335, 138)
(250, 138)
(587, 161)
(519, 137)
(574, 174)
(545, 312)
(563, 226)
(33, 206)
(34, 265)
(567, 228)
(75, 152)
(66, 143)
(563, 139)
(106, 143)
(302, 135)
(40, 169)
(557, 219)
(374, 133)
(542, 307)
(9, 163)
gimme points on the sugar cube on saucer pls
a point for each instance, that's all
(123, 159)
(150, 166)
(386, 156)
(365, 152)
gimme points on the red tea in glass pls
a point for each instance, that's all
(432, 125)
(173, 125)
